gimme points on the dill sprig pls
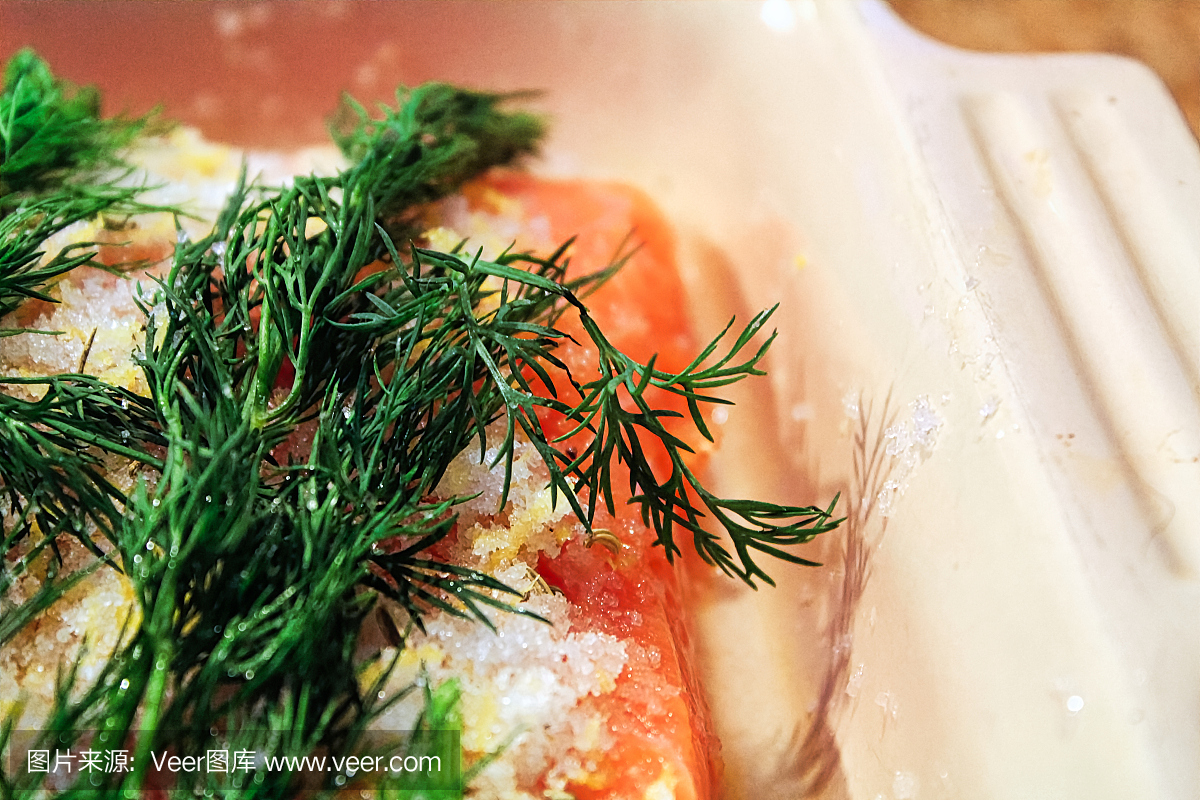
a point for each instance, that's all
(256, 556)
(619, 435)
(435, 137)
(24, 271)
(60, 164)
(51, 132)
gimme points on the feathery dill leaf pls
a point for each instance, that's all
(60, 163)
(24, 272)
(436, 138)
(51, 132)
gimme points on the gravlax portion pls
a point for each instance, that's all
(604, 703)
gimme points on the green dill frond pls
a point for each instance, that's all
(434, 140)
(60, 163)
(25, 272)
(620, 433)
(51, 132)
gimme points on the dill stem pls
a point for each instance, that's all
(160, 658)
(270, 358)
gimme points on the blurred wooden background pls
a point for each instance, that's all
(1164, 34)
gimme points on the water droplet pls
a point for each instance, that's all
(155, 502)
(150, 545)
(1074, 704)
(124, 684)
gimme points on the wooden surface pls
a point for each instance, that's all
(1165, 34)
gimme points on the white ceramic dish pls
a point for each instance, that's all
(993, 258)
(1013, 239)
